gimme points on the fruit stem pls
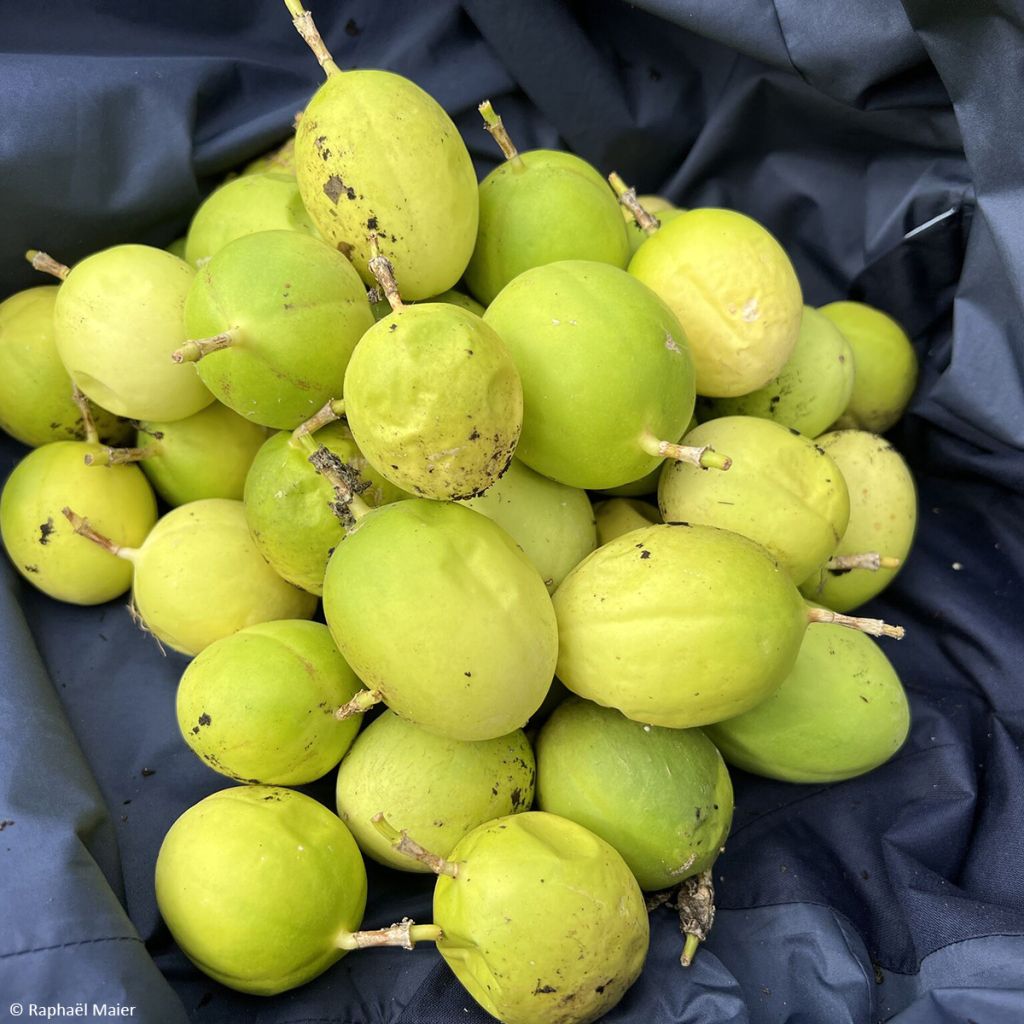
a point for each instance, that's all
(696, 905)
(873, 627)
(870, 560)
(704, 457)
(384, 273)
(330, 413)
(404, 844)
(495, 127)
(194, 350)
(405, 934)
(47, 264)
(92, 435)
(83, 529)
(348, 506)
(362, 701)
(119, 456)
(303, 22)
(689, 950)
(646, 221)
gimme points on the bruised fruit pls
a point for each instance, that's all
(617, 516)
(259, 705)
(840, 712)
(661, 797)
(440, 789)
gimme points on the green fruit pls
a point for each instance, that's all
(782, 491)
(885, 366)
(382, 308)
(35, 390)
(617, 516)
(177, 247)
(678, 625)
(278, 161)
(438, 609)
(543, 207)
(595, 408)
(279, 314)
(439, 789)
(118, 317)
(552, 523)
(259, 886)
(258, 706)
(41, 543)
(883, 517)
(244, 206)
(374, 154)
(434, 401)
(646, 484)
(661, 797)
(735, 293)
(636, 234)
(288, 504)
(839, 713)
(810, 392)
(543, 921)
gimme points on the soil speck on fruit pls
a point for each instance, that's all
(346, 249)
(204, 719)
(31, 568)
(544, 989)
(45, 529)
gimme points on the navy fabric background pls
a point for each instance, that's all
(843, 127)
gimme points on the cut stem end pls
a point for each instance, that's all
(92, 435)
(646, 221)
(81, 526)
(703, 457)
(193, 351)
(404, 844)
(495, 127)
(384, 273)
(870, 560)
(330, 413)
(303, 22)
(404, 934)
(361, 702)
(873, 627)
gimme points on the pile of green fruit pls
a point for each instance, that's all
(325, 419)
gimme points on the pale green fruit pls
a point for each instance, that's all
(177, 247)
(552, 523)
(382, 308)
(594, 406)
(42, 544)
(439, 610)
(840, 712)
(544, 921)
(617, 516)
(374, 154)
(661, 797)
(434, 401)
(35, 390)
(735, 292)
(439, 789)
(199, 577)
(245, 206)
(678, 625)
(782, 491)
(636, 234)
(203, 456)
(293, 311)
(885, 366)
(542, 207)
(646, 484)
(258, 885)
(288, 504)
(883, 517)
(810, 392)
(277, 161)
(119, 316)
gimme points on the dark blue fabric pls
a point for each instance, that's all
(845, 128)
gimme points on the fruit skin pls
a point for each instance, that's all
(543, 207)
(617, 516)
(552, 523)
(41, 543)
(545, 922)
(636, 234)
(118, 317)
(782, 491)
(678, 625)
(841, 712)
(439, 789)
(287, 503)
(661, 797)
(244, 206)
(439, 609)
(256, 883)
(885, 366)
(258, 706)
(382, 308)
(204, 456)
(434, 401)
(199, 577)
(35, 389)
(883, 517)
(375, 154)
(588, 398)
(646, 484)
(811, 390)
(299, 310)
(735, 292)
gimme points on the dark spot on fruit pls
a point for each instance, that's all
(351, 28)
(195, 730)
(544, 989)
(839, 572)
(469, 351)
(794, 431)
(517, 796)
(146, 772)
(645, 554)
(863, 698)
(204, 719)
(697, 809)
(319, 141)
(371, 223)
(475, 435)
(393, 327)
(820, 451)
(600, 988)
(677, 522)
(842, 358)
(45, 529)
(715, 806)
(31, 568)
(494, 790)
(775, 399)
(393, 466)
(468, 675)
(333, 187)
